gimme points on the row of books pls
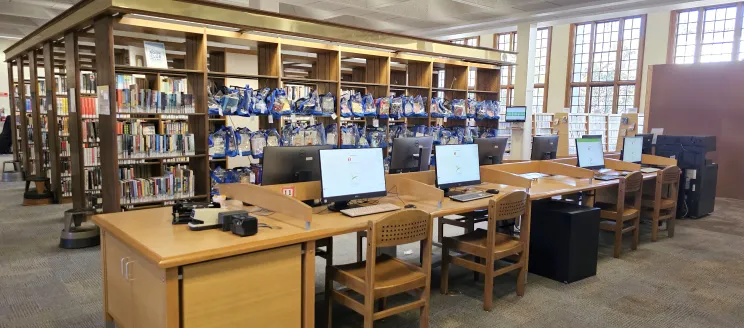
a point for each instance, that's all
(138, 127)
(146, 146)
(90, 131)
(171, 85)
(135, 100)
(88, 107)
(66, 186)
(62, 108)
(91, 156)
(88, 83)
(63, 123)
(133, 172)
(176, 127)
(60, 85)
(178, 183)
(93, 179)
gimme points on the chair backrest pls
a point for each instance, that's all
(670, 175)
(509, 206)
(630, 185)
(402, 227)
(633, 182)
(667, 183)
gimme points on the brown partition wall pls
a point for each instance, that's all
(703, 99)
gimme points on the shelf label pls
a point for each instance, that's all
(288, 191)
(333, 116)
(73, 106)
(445, 119)
(376, 123)
(271, 119)
(104, 105)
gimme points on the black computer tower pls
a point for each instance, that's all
(563, 240)
(701, 191)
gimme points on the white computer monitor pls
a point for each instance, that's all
(516, 114)
(632, 149)
(457, 165)
(348, 174)
(590, 153)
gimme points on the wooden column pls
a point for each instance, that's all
(72, 67)
(106, 78)
(196, 59)
(52, 128)
(36, 114)
(12, 100)
(24, 120)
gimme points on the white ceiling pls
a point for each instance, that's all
(427, 18)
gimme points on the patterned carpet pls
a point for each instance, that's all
(693, 280)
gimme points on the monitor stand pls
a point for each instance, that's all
(338, 206)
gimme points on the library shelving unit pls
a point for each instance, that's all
(91, 117)
(542, 124)
(613, 127)
(597, 125)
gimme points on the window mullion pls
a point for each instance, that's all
(699, 35)
(592, 37)
(737, 32)
(618, 64)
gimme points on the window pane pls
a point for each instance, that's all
(471, 78)
(503, 97)
(514, 46)
(605, 51)
(581, 52)
(473, 42)
(511, 97)
(504, 42)
(513, 71)
(625, 98)
(578, 100)
(718, 34)
(505, 76)
(631, 44)
(541, 55)
(601, 99)
(440, 79)
(538, 96)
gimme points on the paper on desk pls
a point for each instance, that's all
(533, 175)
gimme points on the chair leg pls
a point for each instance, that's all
(470, 228)
(444, 284)
(440, 232)
(636, 231)
(424, 315)
(369, 312)
(329, 285)
(488, 288)
(359, 246)
(670, 226)
(522, 277)
(654, 227)
(618, 238)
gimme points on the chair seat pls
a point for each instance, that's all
(475, 243)
(611, 225)
(609, 211)
(665, 203)
(392, 276)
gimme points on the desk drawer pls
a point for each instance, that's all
(260, 289)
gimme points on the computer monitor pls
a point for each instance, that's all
(291, 164)
(544, 147)
(349, 174)
(590, 153)
(516, 114)
(411, 154)
(632, 149)
(591, 136)
(491, 150)
(456, 165)
(648, 140)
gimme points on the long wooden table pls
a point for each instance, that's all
(161, 275)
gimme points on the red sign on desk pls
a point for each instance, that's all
(3, 94)
(288, 191)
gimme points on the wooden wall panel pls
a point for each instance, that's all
(703, 99)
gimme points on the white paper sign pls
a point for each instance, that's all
(71, 96)
(155, 55)
(312, 120)
(271, 119)
(333, 116)
(376, 123)
(104, 105)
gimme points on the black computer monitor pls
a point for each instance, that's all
(456, 165)
(349, 174)
(491, 150)
(515, 114)
(591, 136)
(632, 149)
(590, 153)
(291, 164)
(648, 140)
(411, 154)
(544, 147)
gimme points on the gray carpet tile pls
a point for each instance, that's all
(695, 279)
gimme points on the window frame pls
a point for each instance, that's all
(544, 86)
(510, 71)
(674, 26)
(616, 82)
(465, 41)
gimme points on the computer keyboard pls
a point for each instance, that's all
(649, 169)
(371, 209)
(470, 196)
(605, 177)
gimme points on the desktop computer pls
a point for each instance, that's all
(491, 150)
(648, 140)
(353, 174)
(544, 147)
(632, 149)
(457, 166)
(411, 154)
(590, 153)
(291, 164)
(591, 136)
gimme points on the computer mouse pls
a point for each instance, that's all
(410, 206)
(492, 191)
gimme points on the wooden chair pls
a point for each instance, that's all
(382, 276)
(490, 246)
(614, 216)
(662, 205)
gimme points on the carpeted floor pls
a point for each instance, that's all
(693, 280)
